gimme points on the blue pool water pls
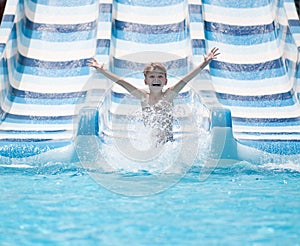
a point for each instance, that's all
(62, 205)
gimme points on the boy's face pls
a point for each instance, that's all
(156, 79)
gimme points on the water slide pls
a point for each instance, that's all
(49, 96)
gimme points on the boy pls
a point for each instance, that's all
(157, 104)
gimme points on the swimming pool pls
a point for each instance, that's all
(62, 205)
(56, 202)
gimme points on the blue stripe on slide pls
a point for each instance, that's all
(27, 119)
(102, 51)
(56, 36)
(289, 37)
(241, 75)
(26, 61)
(150, 29)
(238, 30)
(53, 73)
(267, 122)
(135, 69)
(150, 38)
(8, 18)
(13, 35)
(275, 100)
(103, 43)
(199, 51)
(105, 8)
(2, 47)
(195, 13)
(269, 69)
(53, 70)
(19, 96)
(298, 67)
(294, 23)
(280, 147)
(59, 28)
(198, 43)
(125, 64)
(195, 9)
(41, 73)
(3, 71)
(295, 29)
(196, 18)
(233, 67)
(137, 74)
(105, 12)
(104, 17)
(6, 25)
(240, 40)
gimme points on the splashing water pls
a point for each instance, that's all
(134, 146)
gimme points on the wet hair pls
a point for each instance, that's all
(154, 66)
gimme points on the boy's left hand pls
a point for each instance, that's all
(212, 54)
(94, 63)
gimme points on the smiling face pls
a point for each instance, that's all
(155, 80)
(155, 76)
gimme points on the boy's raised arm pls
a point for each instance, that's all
(126, 85)
(182, 83)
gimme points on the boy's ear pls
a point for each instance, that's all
(145, 82)
(166, 82)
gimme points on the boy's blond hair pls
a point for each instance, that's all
(155, 66)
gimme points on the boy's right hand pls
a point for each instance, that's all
(94, 63)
